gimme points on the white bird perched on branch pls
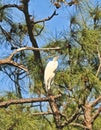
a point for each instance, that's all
(49, 72)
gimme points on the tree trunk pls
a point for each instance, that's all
(88, 117)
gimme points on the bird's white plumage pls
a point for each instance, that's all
(49, 72)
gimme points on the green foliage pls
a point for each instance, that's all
(89, 40)
(17, 119)
(97, 123)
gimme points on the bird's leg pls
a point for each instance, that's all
(51, 80)
(49, 83)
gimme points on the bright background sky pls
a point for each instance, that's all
(43, 8)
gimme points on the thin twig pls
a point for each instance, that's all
(42, 113)
(46, 19)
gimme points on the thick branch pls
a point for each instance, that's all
(11, 62)
(27, 100)
(55, 111)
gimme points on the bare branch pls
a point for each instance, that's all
(34, 49)
(27, 100)
(46, 19)
(11, 62)
(20, 7)
(95, 102)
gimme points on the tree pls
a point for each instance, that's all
(75, 97)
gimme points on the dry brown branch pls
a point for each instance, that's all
(34, 49)
(8, 61)
(27, 100)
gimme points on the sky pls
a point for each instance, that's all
(42, 9)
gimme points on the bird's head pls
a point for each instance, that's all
(55, 58)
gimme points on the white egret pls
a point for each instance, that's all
(49, 72)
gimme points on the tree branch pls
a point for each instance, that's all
(46, 19)
(34, 49)
(96, 101)
(55, 111)
(27, 100)
(9, 60)
(20, 7)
